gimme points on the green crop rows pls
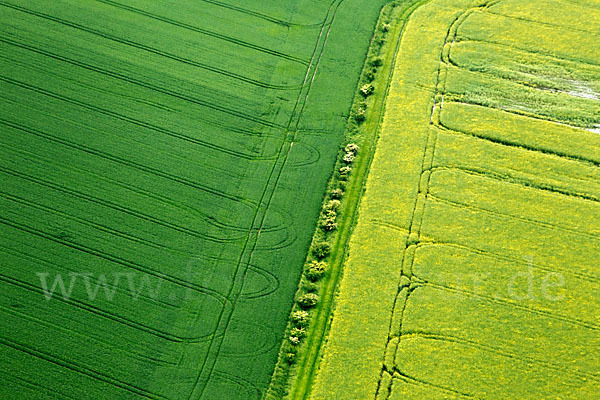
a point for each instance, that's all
(165, 161)
(473, 271)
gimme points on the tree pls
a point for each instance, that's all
(308, 300)
(337, 193)
(367, 89)
(329, 224)
(321, 250)
(332, 205)
(345, 171)
(298, 332)
(315, 270)
(351, 148)
(300, 318)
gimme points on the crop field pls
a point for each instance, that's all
(473, 271)
(163, 164)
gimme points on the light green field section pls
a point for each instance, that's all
(473, 271)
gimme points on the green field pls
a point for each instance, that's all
(473, 270)
(166, 162)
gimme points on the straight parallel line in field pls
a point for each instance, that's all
(578, 3)
(108, 204)
(566, 156)
(127, 163)
(491, 74)
(146, 85)
(457, 204)
(165, 200)
(507, 258)
(37, 386)
(149, 49)
(59, 267)
(127, 351)
(79, 369)
(510, 304)
(83, 221)
(116, 260)
(570, 28)
(128, 119)
(106, 314)
(518, 181)
(260, 15)
(581, 375)
(206, 32)
(462, 38)
(531, 115)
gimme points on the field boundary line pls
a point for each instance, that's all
(306, 370)
(206, 32)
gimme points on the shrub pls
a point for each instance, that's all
(321, 250)
(360, 115)
(367, 89)
(385, 27)
(337, 193)
(300, 318)
(345, 171)
(370, 76)
(330, 213)
(348, 158)
(309, 287)
(351, 148)
(329, 224)
(294, 340)
(332, 205)
(290, 357)
(298, 332)
(377, 62)
(315, 270)
(308, 300)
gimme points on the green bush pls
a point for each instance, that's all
(321, 250)
(309, 287)
(300, 318)
(337, 194)
(332, 205)
(315, 270)
(345, 171)
(348, 158)
(290, 357)
(298, 332)
(367, 89)
(294, 340)
(329, 224)
(308, 300)
(376, 62)
(351, 148)
(360, 115)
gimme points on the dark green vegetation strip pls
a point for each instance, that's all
(296, 375)
(165, 165)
